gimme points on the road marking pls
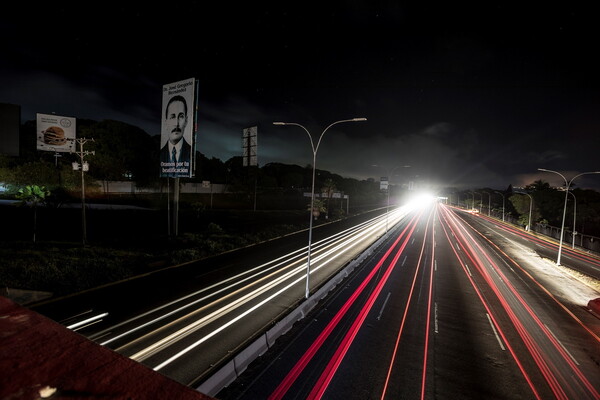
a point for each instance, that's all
(498, 275)
(383, 306)
(495, 332)
(403, 261)
(435, 313)
(561, 345)
(468, 270)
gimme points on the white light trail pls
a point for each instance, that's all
(87, 321)
(336, 250)
(237, 281)
(380, 225)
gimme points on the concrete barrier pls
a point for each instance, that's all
(220, 379)
(250, 353)
(280, 328)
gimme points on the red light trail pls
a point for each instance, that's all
(287, 382)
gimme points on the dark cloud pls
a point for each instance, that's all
(468, 94)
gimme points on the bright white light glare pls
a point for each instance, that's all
(420, 200)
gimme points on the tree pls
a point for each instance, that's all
(33, 195)
(318, 208)
(538, 185)
(522, 204)
(122, 151)
(328, 188)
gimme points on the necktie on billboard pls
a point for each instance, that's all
(174, 155)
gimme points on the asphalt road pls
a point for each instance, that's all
(441, 311)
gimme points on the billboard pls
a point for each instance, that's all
(383, 183)
(177, 137)
(10, 122)
(55, 133)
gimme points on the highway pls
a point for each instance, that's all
(451, 306)
(185, 322)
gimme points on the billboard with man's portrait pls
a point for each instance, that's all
(177, 138)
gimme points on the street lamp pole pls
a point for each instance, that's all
(574, 216)
(530, 206)
(312, 193)
(489, 202)
(501, 194)
(567, 186)
(530, 209)
(481, 202)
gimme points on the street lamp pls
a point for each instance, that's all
(489, 202)
(574, 216)
(480, 202)
(530, 206)
(312, 193)
(501, 194)
(530, 209)
(567, 186)
(389, 174)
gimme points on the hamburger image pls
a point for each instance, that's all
(54, 136)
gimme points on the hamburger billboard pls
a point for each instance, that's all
(55, 133)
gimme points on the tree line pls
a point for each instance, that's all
(583, 205)
(127, 153)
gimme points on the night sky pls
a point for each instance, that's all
(472, 95)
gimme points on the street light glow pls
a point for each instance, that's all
(421, 200)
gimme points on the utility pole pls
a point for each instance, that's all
(84, 167)
(250, 155)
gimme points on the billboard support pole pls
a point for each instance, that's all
(255, 184)
(176, 207)
(168, 206)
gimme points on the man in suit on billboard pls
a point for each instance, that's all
(177, 150)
